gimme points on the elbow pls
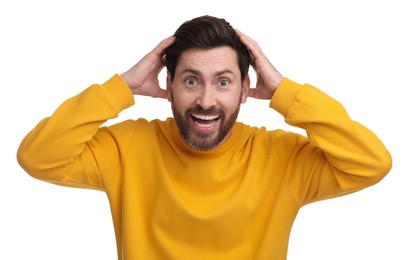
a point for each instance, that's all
(31, 164)
(380, 167)
(25, 160)
(35, 163)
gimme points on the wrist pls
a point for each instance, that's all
(119, 91)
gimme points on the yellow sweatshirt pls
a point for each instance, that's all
(237, 201)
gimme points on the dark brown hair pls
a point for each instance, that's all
(206, 32)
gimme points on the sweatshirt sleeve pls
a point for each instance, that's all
(340, 156)
(60, 149)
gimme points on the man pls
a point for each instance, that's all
(201, 185)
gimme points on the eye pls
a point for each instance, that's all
(191, 82)
(223, 82)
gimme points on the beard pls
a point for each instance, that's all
(204, 141)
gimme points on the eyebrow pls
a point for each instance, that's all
(198, 73)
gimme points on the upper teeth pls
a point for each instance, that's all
(205, 117)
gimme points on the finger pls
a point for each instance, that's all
(251, 45)
(164, 44)
(246, 40)
(162, 93)
(157, 66)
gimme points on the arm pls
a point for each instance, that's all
(340, 155)
(69, 147)
(57, 143)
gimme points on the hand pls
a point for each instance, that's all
(142, 78)
(268, 78)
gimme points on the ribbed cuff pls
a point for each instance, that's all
(284, 96)
(117, 88)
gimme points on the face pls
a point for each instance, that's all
(206, 94)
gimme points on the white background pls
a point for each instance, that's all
(51, 50)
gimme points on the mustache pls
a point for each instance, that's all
(200, 110)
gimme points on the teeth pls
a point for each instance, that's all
(205, 117)
(205, 125)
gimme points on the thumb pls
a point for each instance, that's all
(252, 92)
(161, 93)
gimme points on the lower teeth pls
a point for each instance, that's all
(204, 125)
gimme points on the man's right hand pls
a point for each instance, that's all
(142, 78)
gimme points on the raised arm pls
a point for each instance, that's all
(69, 148)
(340, 155)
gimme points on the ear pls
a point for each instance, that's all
(168, 87)
(245, 89)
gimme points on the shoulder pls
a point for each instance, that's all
(140, 125)
(276, 138)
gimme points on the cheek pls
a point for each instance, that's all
(181, 101)
(231, 102)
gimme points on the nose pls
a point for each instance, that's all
(207, 97)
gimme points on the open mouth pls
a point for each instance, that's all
(205, 121)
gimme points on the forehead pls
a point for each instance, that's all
(206, 60)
